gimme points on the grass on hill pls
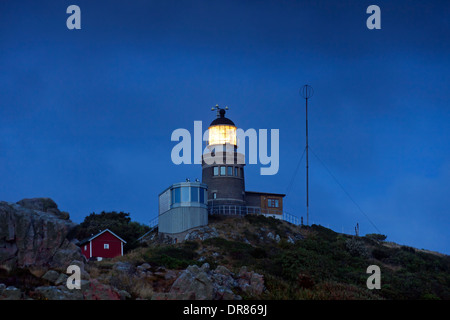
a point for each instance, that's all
(319, 264)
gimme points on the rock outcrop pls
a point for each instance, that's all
(201, 233)
(44, 205)
(35, 238)
(90, 290)
(9, 293)
(34, 235)
(201, 283)
(36, 248)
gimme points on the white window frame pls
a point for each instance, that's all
(106, 246)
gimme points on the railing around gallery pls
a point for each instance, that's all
(233, 210)
(244, 210)
(238, 211)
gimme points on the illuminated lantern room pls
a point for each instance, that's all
(222, 130)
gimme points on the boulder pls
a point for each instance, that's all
(251, 282)
(9, 293)
(62, 279)
(99, 291)
(202, 283)
(124, 267)
(292, 238)
(195, 283)
(143, 267)
(201, 233)
(65, 255)
(34, 235)
(124, 294)
(275, 237)
(51, 276)
(44, 205)
(84, 274)
(56, 293)
(90, 290)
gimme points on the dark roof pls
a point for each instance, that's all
(266, 193)
(95, 236)
(222, 120)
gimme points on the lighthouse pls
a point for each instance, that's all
(184, 206)
(222, 164)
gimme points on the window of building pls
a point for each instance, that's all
(176, 195)
(236, 171)
(85, 247)
(194, 194)
(216, 171)
(230, 171)
(184, 194)
(273, 203)
(214, 195)
(222, 170)
(202, 195)
(106, 246)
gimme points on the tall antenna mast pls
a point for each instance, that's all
(307, 92)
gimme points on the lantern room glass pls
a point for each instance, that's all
(222, 134)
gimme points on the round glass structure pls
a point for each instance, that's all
(222, 134)
(222, 130)
(188, 194)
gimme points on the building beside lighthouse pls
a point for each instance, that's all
(182, 206)
(186, 205)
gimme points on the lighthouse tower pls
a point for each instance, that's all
(222, 165)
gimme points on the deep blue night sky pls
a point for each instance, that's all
(86, 115)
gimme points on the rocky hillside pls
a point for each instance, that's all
(232, 258)
(306, 262)
(34, 235)
(36, 248)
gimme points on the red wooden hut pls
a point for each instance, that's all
(105, 244)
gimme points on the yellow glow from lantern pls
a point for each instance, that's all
(222, 134)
